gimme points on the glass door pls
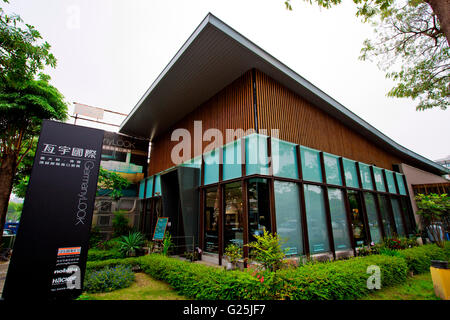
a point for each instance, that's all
(359, 230)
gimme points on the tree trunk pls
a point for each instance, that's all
(7, 171)
(442, 10)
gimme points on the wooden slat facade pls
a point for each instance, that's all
(298, 121)
(230, 108)
(301, 122)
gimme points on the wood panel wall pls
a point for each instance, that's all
(301, 122)
(232, 108)
(298, 121)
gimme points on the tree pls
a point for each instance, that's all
(412, 40)
(113, 182)
(25, 98)
(435, 212)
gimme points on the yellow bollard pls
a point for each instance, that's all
(440, 273)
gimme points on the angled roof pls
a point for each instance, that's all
(214, 56)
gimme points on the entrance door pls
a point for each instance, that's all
(359, 230)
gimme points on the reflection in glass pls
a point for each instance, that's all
(359, 231)
(385, 215)
(232, 162)
(212, 220)
(311, 164)
(316, 219)
(390, 181)
(287, 208)
(351, 176)
(372, 217)
(398, 217)
(332, 169)
(233, 224)
(339, 219)
(284, 159)
(409, 217)
(258, 207)
(379, 181)
(256, 156)
(366, 176)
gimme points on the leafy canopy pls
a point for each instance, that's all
(409, 45)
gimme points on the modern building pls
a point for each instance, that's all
(269, 151)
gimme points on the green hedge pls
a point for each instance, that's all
(419, 258)
(98, 255)
(343, 279)
(346, 279)
(97, 265)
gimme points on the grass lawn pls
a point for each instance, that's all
(418, 287)
(144, 288)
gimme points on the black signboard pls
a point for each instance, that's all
(50, 251)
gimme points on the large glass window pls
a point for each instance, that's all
(409, 216)
(339, 220)
(311, 169)
(351, 175)
(332, 169)
(148, 194)
(141, 189)
(401, 185)
(233, 224)
(232, 161)
(211, 160)
(366, 176)
(256, 156)
(316, 219)
(157, 186)
(398, 217)
(359, 230)
(390, 181)
(287, 209)
(258, 207)
(385, 215)
(212, 204)
(284, 159)
(372, 217)
(379, 181)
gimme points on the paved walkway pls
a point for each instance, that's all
(3, 269)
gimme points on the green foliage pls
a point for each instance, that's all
(100, 264)
(131, 243)
(23, 171)
(419, 259)
(267, 251)
(410, 42)
(113, 182)
(434, 209)
(167, 243)
(14, 211)
(109, 279)
(233, 253)
(95, 237)
(100, 255)
(120, 224)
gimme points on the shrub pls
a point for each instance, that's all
(95, 237)
(98, 255)
(346, 279)
(233, 253)
(131, 243)
(419, 258)
(97, 265)
(167, 244)
(109, 279)
(120, 224)
(267, 251)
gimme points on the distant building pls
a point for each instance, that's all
(445, 162)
